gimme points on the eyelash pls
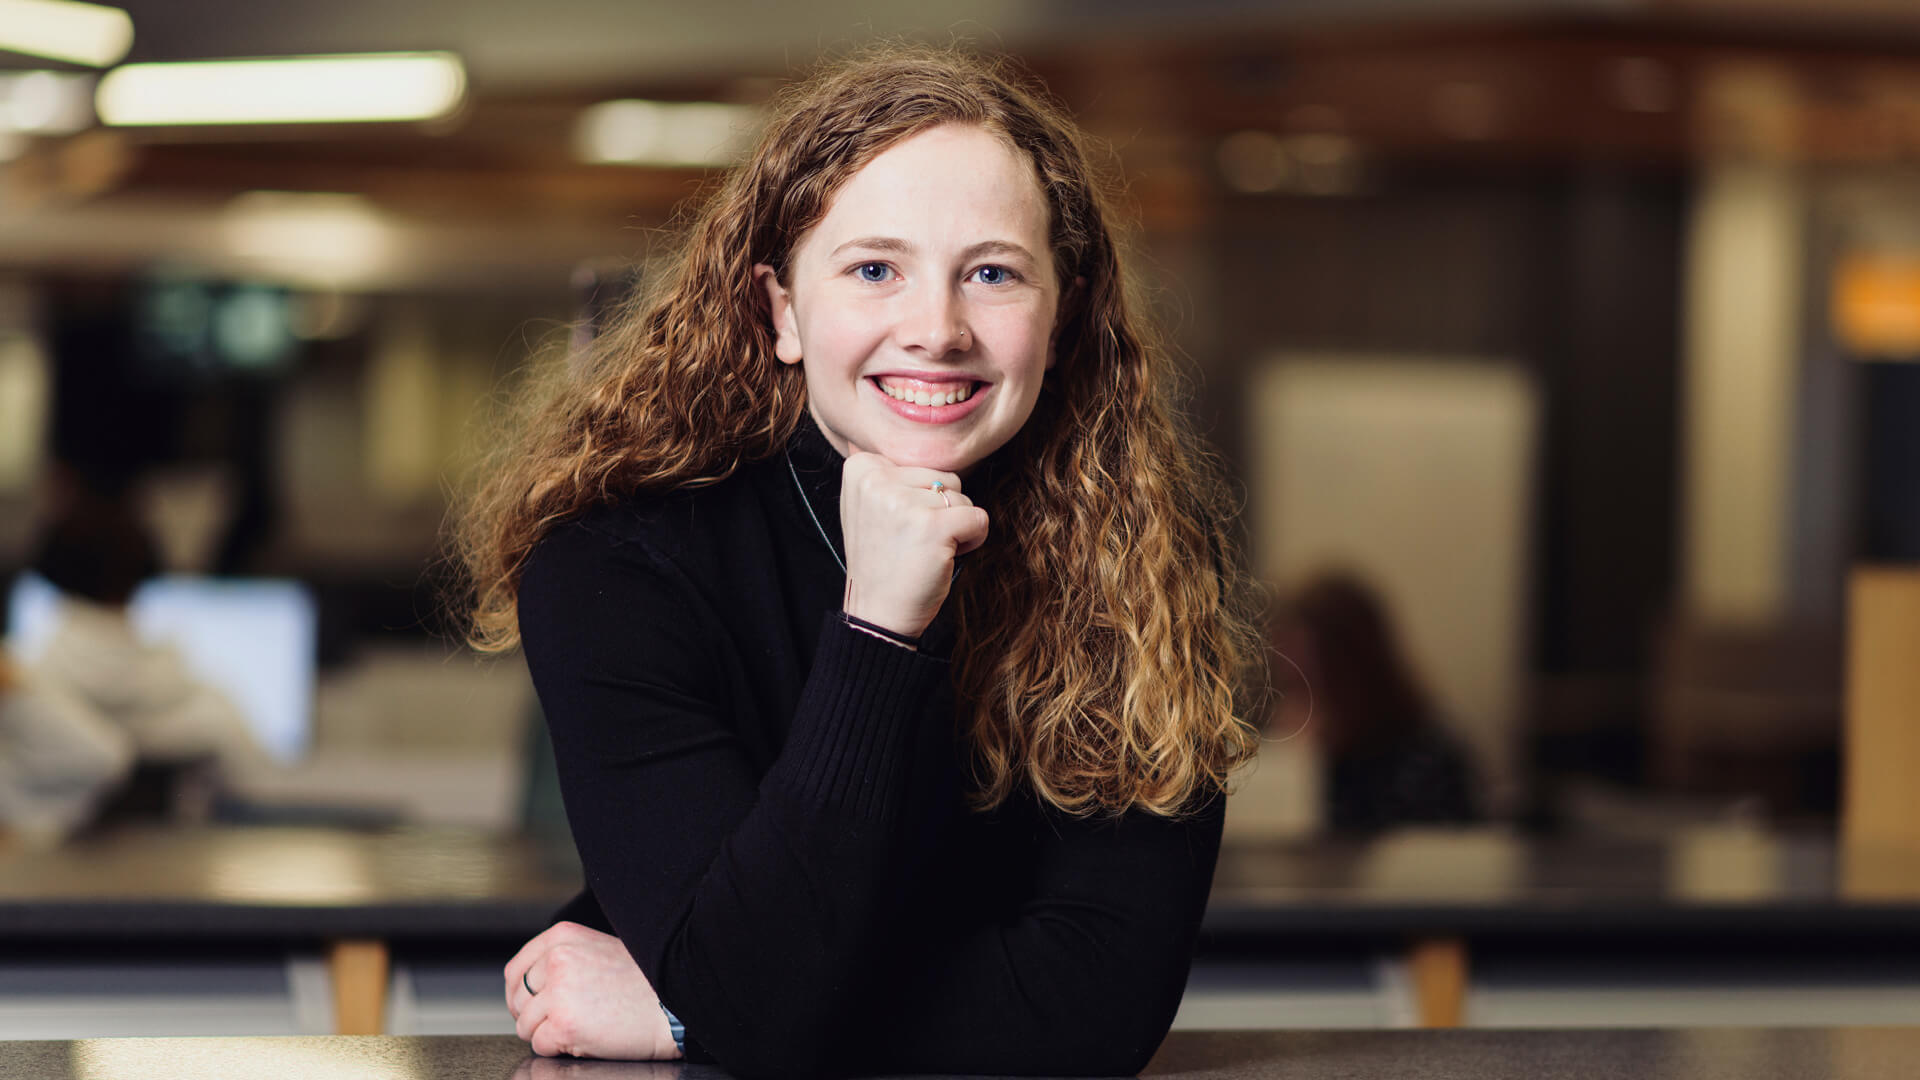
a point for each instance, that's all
(1011, 276)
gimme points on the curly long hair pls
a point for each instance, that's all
(1108, 636)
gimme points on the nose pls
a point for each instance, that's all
(934, 323)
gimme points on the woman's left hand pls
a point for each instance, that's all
(589, 998)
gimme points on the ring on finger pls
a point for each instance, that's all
(525, 983)
(940, 488)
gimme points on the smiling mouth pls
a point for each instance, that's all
(960, 391)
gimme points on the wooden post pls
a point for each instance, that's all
(1438, 969)
(1881, 808)
(359, 970)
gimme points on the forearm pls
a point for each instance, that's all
(780, 878)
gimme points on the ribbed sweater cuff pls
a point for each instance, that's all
(856, 726)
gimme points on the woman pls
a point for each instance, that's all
(97, 553)
(177, 727)
(58, 758)
(1390, 760)
(885, 619)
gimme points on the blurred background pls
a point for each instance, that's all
(1563, 350)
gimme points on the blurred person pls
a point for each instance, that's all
(97, 554)
(1389, 758)
(885, 616)
(58, 757)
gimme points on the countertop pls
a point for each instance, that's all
(238, 882)
(1682, 1054)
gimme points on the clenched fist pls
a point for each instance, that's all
(902, 539)
(589, 998)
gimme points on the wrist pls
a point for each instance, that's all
(893, 637)
(889, 624)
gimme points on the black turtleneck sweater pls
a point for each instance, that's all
(769, 807)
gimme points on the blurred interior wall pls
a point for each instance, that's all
(1744, 281)
(401, 457)
(1770, 398)
(26, 392)
(1748, 682)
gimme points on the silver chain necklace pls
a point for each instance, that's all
(808, 503)
(821, 529)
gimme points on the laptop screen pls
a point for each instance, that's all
(252, 638)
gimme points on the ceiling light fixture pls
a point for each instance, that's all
(692, 133)
(46, 102)
(366, 88)
(309, 238)
(91, 34)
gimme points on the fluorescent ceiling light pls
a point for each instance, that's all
(63, 30)
(662, 133)
(294, 90)
(45, 102)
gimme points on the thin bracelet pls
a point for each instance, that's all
(885, 638)
(882, 632)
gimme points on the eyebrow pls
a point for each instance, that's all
(902, 247)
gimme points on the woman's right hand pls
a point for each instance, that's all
(902, 539)
(577, 991)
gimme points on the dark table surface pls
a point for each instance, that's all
(1490, 884)
(285, 881)
(1679, 1054)
(441, 883)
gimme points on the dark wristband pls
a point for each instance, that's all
(890, 635)
(676, 1028)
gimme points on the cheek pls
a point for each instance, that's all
(1021, 339)
(836, 337)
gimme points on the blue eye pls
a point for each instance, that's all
(993, 275)
(873, 271)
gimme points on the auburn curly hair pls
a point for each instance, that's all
(1108, 635)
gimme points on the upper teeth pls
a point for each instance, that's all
(923, 397)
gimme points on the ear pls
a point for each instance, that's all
(1068, 301)
(786, 331)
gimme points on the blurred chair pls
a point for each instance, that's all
(1749, 712)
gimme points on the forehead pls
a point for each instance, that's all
(951, 184)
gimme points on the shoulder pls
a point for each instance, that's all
(648, 552)
(664, 528)
(579, 552)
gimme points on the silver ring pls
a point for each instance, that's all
(525, 983)
(939, 488)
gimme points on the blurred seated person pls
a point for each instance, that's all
(96, 553)
(58, 758)
(1389, 759)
